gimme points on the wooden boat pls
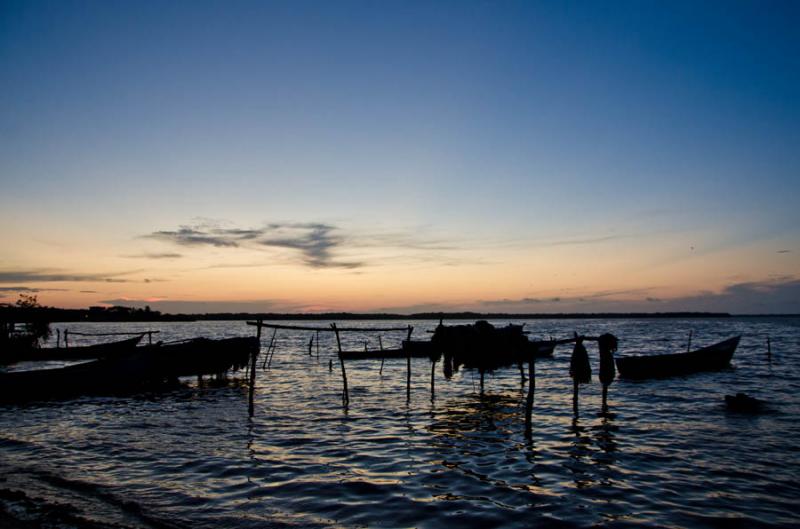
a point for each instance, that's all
(370, 354)
(543, 349)
(133, 371)
(141, 368)
(709, 358)
(81, 352)
(201, 356)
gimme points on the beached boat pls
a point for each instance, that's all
(709, 358)
(135, 370)
(80, 352)
(142, 367)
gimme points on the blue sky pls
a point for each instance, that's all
(486, 137)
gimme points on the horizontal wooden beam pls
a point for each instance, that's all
(71, 333)
(325, 329)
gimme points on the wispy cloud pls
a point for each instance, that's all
(588, 297)
(581, 241)
(207, 306)
(317, 244)
(774, 295)
(205, 236)
(784, 251)
(47, 276)
(32, 289)
(18, 289)
(155, 255)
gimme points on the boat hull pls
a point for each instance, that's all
(142, 368)
(85, 352)
(711, 358)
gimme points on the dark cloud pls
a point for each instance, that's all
(206, 306)
(318, 244)
(32, 289)
(777, 295)
(29, 276)
(523, 302)
(315, 241)
(784, 251)
(156, 255)
(18, 289)
(189, 236)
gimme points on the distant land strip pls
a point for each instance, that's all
(13, 314)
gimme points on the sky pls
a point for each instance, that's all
(310, 156)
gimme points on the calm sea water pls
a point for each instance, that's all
(669, 454)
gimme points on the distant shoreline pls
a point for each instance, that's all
(123, 314)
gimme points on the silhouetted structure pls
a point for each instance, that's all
(579, 369)
(709, 358)
(607, 344)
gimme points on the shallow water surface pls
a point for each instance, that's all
(668, 454)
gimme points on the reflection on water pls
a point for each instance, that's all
(667, 453)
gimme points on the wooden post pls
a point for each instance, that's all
(433, 378)
(150, 337)
(253, 359)
(408, 367)
(689, 344)
(531, 389)
(58, 338)
(267, 357)
(310, 345)
(317, 345)
(482, 372)
(66, 338)
(769, 350)
(575, 386)
(383, 358)
(346, 395)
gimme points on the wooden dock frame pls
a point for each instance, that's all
(532, 381)
(529, 400)
(259, 324)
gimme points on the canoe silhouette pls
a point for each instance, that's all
(711, 358)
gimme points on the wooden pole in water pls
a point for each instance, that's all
(346, 395)
(149, 337)
(267, 357)
(689, 344)
(433, 383)
(58, 338)
(531, 389)
(383, 358)
(253, 358)
(408, 367)
(66, 338)
(769, 350)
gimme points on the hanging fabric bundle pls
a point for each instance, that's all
(579, 368)
(607, 344)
